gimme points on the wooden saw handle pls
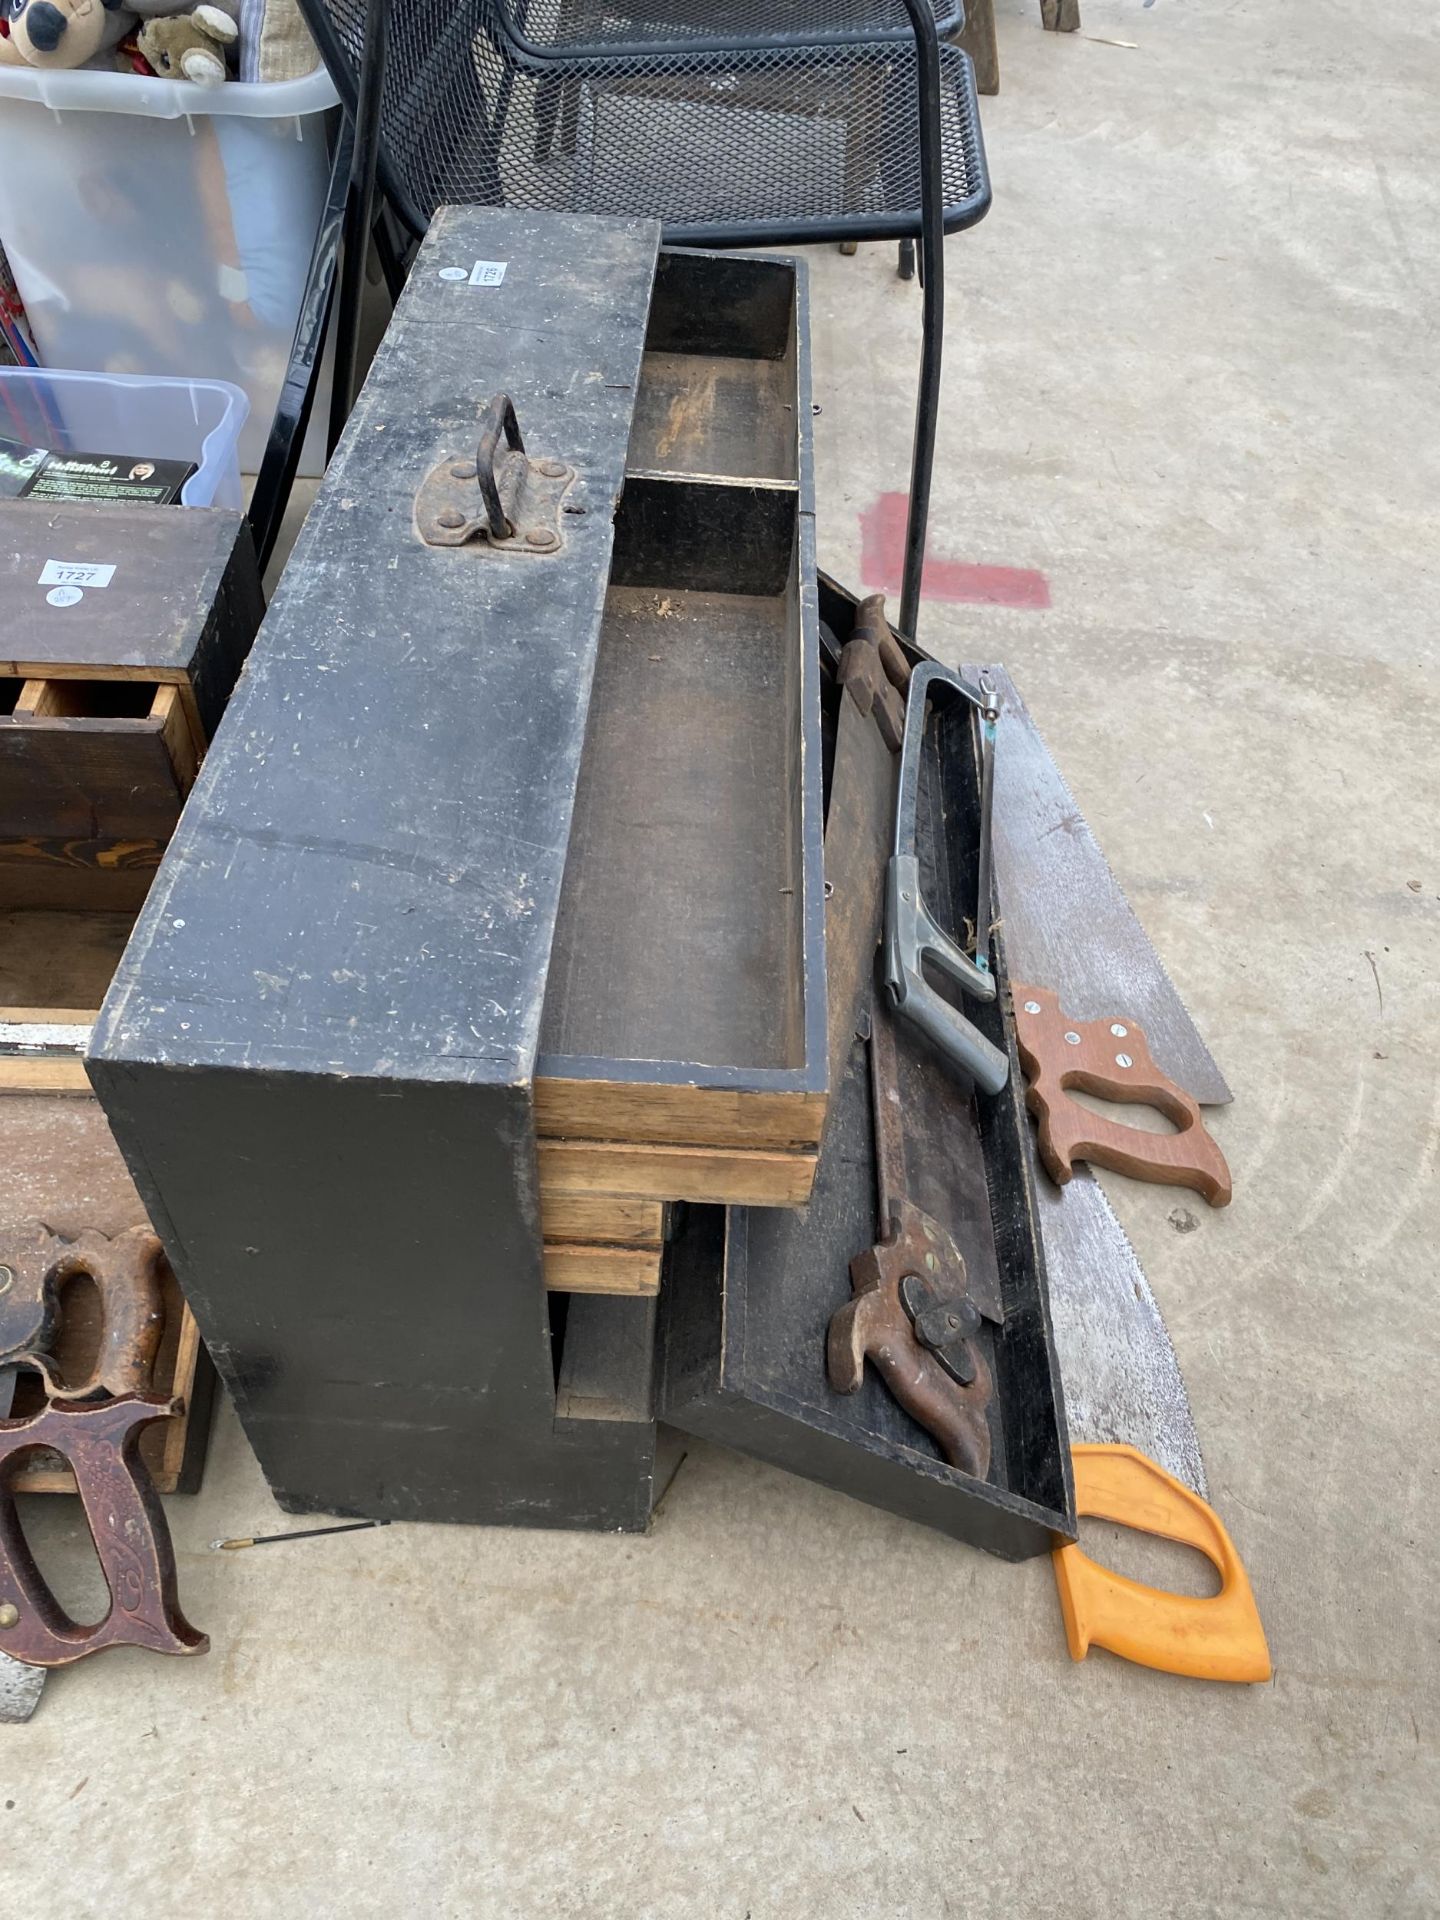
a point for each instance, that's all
(1110, 1058)
(1220, 1638)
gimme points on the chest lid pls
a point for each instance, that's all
(368, 878)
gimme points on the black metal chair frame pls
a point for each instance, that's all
(360, 167)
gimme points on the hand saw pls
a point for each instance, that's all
(1135, 1450)
(1067, 923)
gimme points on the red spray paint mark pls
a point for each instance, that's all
(882, 565)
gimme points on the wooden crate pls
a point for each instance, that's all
(105, 709)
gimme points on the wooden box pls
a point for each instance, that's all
(438, 968)
(105, 710)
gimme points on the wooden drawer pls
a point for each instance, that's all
(93, 774)
(685, 1007)
(111, 689)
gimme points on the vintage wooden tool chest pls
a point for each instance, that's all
(125, 629)
(495, 921)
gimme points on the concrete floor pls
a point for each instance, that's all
(1191, 383)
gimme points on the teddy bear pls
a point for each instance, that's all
(62, 33)
(191, 45)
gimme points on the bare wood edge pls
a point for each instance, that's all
(650, 1112)
(37, 673)
(730, 1177)
(616, 1270)
(43, 1073)
(177, 1432)
(601, 1219)
(168, 708)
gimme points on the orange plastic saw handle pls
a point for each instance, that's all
(1219, 1638)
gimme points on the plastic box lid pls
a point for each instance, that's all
(95, 92)
(141, 414)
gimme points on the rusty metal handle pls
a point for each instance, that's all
(499, 415)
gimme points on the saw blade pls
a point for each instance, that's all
(1066, 920)
(20, 1690)
(1121, 1377)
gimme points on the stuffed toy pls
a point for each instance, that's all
(191, 45)
(62, 33)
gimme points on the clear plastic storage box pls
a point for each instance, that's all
(155, 226)
(148, 418)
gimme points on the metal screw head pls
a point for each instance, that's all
(450, 517)
(1118, 1031)
(1072, 1039)
(1032, 1006)
(9, 1615)
(463, 470)
(552, 469)
(7, 1279)
(1123, 1060)
(542, 539)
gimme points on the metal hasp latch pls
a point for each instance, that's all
(911, 935)
(500, 495)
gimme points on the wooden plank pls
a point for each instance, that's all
(43, 1073)
(168, 709)
(977, 37)
(675, 1115)
(678, 1173)
(601, 1219)
(618, 1270)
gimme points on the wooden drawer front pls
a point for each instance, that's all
(601, 1219)
(93, 774)
(625, 1270)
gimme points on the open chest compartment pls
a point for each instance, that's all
(749, 1293)
(683, 1041)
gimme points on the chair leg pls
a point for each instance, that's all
(905, 265)
(1060, 16)
(977, 37)
(932, 326)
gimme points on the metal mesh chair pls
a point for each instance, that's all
(761, 140)
(735, 122)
